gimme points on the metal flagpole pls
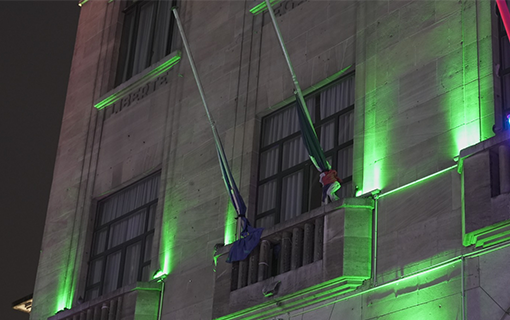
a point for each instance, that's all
(287, 58)
(231, 185)
(199, 84)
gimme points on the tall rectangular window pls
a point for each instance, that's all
(122, 240)
(146, 36)
(504, 68)
(288, 183)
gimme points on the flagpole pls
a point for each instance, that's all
(199, 84)
(287, 58)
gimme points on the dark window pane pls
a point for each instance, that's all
(100, 242)
(92, 293)
(292, 190)
(148, 247)
(293, 187)
(96, 268)
(127, 229)
(112, 272)
(294, 152)
(126, 226)
(328, 135)
(267, 196)
(146, 273)
(280, 125)
(505, 49)
(337, 98)
(265, 222)
(269, 162)
(131, 263)
(346, 127)
(152, 217)
(146, 37)
(344, 166)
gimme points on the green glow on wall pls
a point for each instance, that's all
(165, 66)
(230, 224)
(65, 291)
(335, 285)
(168, 233)
(375, 146)
(430, 275)
(487, 236)
(167, 246)
(417, 181)
(261, 7)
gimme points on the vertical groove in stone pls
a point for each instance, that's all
(113, 309)
(504, 169)
(97, 312)
(234, 277)
(83, 315)
(243, 274)
(90, 314)
(318, 242)
(308, 244)
(265, 249)
(285, 255)
(253, 268)
(297, 248)
(119, 308)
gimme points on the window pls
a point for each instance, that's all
(288, 183)
(146, 36)
(122, 240)
(504, 67)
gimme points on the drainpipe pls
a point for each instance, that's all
(160, 278)
(462, 288)
(375, 196)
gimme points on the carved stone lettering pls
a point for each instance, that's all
(137, 94)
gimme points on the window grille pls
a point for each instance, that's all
(288, 183)
(122, 240)
(146, 36)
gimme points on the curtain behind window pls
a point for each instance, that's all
(284, 123)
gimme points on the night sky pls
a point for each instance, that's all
(36, 46)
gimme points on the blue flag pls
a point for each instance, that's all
(250, 236)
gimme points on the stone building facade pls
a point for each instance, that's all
(408, 102)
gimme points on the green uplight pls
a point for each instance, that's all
(159, 275)
(64, 294)
(167, 245)
(230, 225)
(417, 181)
(167, 65)
(261, 7)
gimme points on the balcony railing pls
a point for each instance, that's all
(325, 252)
(486, 191)
(283, 252)
(130, 302)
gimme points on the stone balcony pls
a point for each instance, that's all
(485, 169)
(138, 301)
(318, 255)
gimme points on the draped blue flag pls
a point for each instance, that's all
(250, 236)
(310, 138)
(249, 240)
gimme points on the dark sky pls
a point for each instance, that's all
(36, 46)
